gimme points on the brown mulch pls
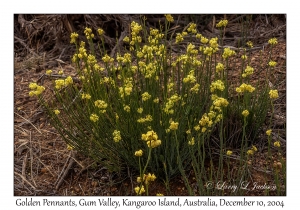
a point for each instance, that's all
(42, 163)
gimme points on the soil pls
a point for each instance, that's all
(44, 166)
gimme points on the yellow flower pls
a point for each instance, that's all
(197, 128)
(229, 152)
(249, 44)
(272, 41)
(101, 104)
(219, 67)
(68, 81)
(138, 153)
(228, 53)
(60, 72)
(159, 194)
(217, 85)
(192, 28)
(222, 23)
(126, 39)
(127, 108)
(245, 113)
(254, 148)
(117, 136)
(244, 87)
(277, 144)
(49, 72)
(250, 152)
(146, 96)
(244, 57)
(272, 63)
(100, 31)
(192, 141)
(169, 18)
(36, 89)
(139, 190)
(268, 132)
(273, 94)
(69, 147)
(156, 100)
(74, 36)
(85, 96)
(140, 110)
(203, 40)
(94, 117)
(173, 125)
(56, 111)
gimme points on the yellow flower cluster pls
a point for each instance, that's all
(169, 18)
(192, 28)
(152, 139)
(101, 105)
(117, 136)
(217, 85)
(228, 53)
(245, 113)
(126, 108)
(107, 59)
(135, 29)
(146, 96)
(173, 125)
(94, 117)
(277, 144)
(148, 118)
(229, 152)
(35, 89)
(213, 43)
(244, 57)
(85, 96)
(220, 102)
(273, 94)
(100, 31)
(195, 88)
(272, 63)
(222, 23)
(273, 41)
(191, 49)
(56, 111)
(138, 153)
(74, 36)
(170, 103)
(191, 142)
(140, 110)
(204, 40)
(249, 44)
(126, 39)
(88, 33)
(139, 190)
(49, 72)
(268, 132)
(219, 67)
(60, 83)
(190, 78)
(147, 178)
(244, 87)
(180, 37)
(252, 150)
(127, 89)
(248, 71)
